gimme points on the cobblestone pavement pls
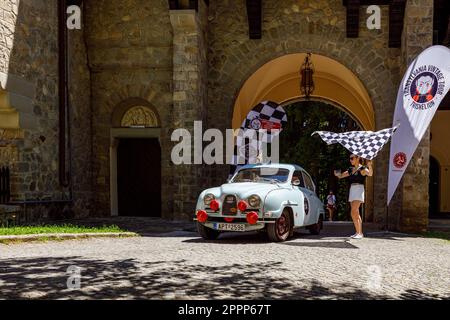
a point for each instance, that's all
(180, 265)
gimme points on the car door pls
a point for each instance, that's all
(297, 197)
(310, 194)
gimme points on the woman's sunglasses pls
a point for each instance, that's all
(351, 158)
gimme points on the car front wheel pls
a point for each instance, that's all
(207, 233)
(281, 229)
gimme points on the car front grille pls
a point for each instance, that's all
(229, 206)
(221, 219)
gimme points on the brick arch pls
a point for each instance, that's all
(375, 75)
(278, 81)
(124, 106)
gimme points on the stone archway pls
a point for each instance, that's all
(139, 116)
(135, 144)
(278, 80)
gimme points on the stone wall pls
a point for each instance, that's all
(291, 26)
(28, 51)
(80, 157)
(28, 59)
(189, 100)
(130, 56)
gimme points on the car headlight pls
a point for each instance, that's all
(208, 198)
(254, 201)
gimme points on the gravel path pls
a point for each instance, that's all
(180, 265)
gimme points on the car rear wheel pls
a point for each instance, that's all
(207, 233)
(315, 228)
(281, 229)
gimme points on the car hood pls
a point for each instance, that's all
(243, 189)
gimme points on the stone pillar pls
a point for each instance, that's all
(81, 132)
(16, 102)
(417, 35)
(189, 101)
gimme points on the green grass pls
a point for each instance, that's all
(437, 234)
(66, 228)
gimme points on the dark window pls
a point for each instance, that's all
(445, 103)
(4, 185)
(309, 184)
(261, 174)
(441, 22)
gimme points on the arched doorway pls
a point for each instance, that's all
(135, 160)
(279, 80)
(320, 160)
(434, 187)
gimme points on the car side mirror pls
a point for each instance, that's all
(296, 183)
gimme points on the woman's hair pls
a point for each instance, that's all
(360, 160)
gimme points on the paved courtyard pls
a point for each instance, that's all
(180, 265)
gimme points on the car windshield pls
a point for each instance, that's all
(262, 174)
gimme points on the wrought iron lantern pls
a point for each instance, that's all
(306, 76)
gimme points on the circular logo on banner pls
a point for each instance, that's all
(422, 87)
(400, 160)
(255, 124)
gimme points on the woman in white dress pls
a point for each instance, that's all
(357, 174)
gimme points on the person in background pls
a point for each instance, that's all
(357, 174)
(331, 204)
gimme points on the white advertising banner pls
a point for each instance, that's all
(422, 89)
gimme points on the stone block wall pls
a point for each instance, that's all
(28, 62)
(130, 54)
(80, 114)
(189, 101)
(28, 51)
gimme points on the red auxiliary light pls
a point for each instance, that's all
(252, 217)
(202, 216)
(229, 219)
(242, 205)
(214, 205)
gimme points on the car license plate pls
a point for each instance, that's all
(229, 226)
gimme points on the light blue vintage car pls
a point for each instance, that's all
(275, 198)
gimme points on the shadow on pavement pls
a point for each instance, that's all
(322, 244)
(46, 278)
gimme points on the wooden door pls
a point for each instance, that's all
(139, 177)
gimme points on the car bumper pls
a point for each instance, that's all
(247, 227)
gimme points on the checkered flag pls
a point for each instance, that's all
(266, 115)
(266, 120)
(365, 144)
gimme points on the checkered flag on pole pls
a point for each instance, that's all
(366, 144)
(266, 121)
